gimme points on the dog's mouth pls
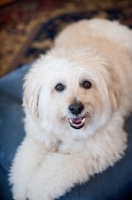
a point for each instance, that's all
(77, 122)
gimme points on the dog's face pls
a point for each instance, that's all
(71, 93)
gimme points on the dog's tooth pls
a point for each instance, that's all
(70, 120)
(83, 120)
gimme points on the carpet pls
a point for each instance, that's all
(28, 28)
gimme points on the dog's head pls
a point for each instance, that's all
(72, 92)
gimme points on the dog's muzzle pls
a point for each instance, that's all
(76, 108)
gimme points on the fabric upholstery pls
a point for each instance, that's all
(113, 184)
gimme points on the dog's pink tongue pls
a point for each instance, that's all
(77, 120)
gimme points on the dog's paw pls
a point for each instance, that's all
(57, 175)
(44, 191)
(19, 195)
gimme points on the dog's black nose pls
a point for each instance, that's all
(76, 108)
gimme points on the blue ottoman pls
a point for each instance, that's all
(113, 184)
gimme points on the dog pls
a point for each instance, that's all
(76, 98)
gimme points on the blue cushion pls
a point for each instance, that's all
(113, 184)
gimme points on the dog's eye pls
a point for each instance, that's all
(59, 87)
(86, 84)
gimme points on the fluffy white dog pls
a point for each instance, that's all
(75, 99)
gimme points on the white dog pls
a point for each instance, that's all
(75, 99)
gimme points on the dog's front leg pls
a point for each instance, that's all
(27, 160)
(58, 173)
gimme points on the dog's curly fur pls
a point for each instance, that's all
(75, 99)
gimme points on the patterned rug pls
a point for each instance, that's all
(28, 28)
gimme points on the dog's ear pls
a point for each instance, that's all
(115, 92)
(32, 88)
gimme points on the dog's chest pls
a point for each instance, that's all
(66, 145)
